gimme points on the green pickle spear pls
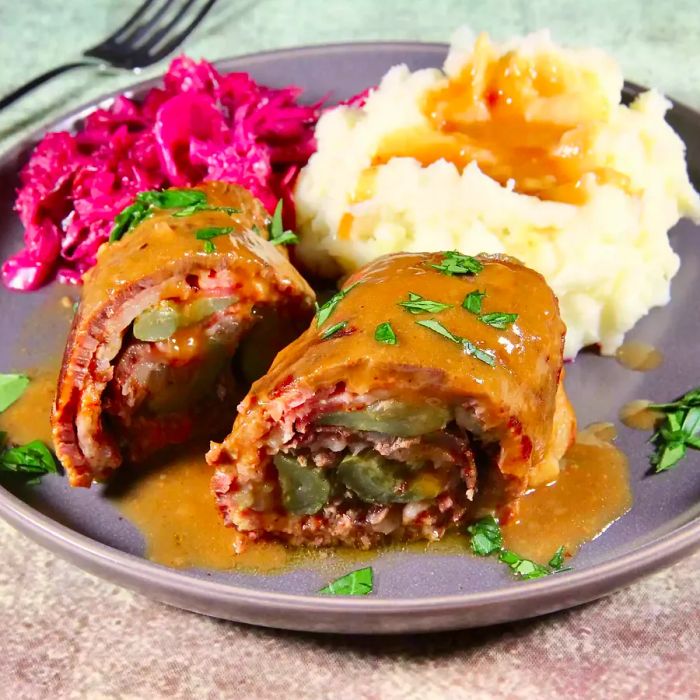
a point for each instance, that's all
(305, 490)
(392, 418)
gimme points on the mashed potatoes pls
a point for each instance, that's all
(521, 149)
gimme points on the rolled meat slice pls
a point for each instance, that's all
(426, 378)
(176, 319)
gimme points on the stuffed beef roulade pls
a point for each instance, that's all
(426, 378)
(174, 323)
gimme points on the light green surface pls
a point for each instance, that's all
(657, 43)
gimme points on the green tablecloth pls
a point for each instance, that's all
(64, 633)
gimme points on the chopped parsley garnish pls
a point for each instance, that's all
(144, 204)
(172, 199)
(324, 311)
(679, 430)
(486, 536)
(278, 236)
(33, 459)
(468, 346)
(454, 263)
(557, 560)
(332, 330)
(203, 206)
(438, 328)
(209, 233)
(498, 319)
(478, 353)
(472, 302)
(521, 567)
(384, 333)
(12, 386)
(416, 304)
(359, 582)
(206, 234)
(487, 539)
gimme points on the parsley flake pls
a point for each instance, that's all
(206, 234)
(148, 200)
(679, 430)
(438, 328)
(12, 386)
(359, 582)
(472, 302)
(278, 236)
(469, 347)
(325, 310)
(416, 304)
(34, 458)
(498, 319)
(486, 536)
(332, 330)
(384, 333)
(203, 206)
(487, 539)
(454, 263)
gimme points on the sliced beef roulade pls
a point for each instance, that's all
(427, 377)
(148, 362)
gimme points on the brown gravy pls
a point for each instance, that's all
(639, 356)
(28, 418)
(174, 508)
(637, 414)
(172, 505)
(512, 114)
(591, 492)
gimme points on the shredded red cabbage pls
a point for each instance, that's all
(202, 125)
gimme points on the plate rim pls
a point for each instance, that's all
(82, 550)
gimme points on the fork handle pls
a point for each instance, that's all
(39, 80)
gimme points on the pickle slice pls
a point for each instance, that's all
(162, 320)
(374, 479)
(392, 417)
(157, 323)
(201, 308)
(305, 490)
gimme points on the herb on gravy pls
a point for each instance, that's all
(416, 304)
(148, 200)
(498, 319)
(12, 386)
(210, 232)
(469, 347)
(278, 236)
(384, 333)
(359, 582)
(472, 302)
(332, 330)
(324, 311)
(487, 539)
(33, 459)
(454, 263)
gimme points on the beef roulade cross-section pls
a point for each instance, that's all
(425, 379)
(177, 317)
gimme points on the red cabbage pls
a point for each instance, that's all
(202, 125)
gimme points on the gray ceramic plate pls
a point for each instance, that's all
(414, 592)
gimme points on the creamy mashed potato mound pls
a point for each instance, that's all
(522, 148)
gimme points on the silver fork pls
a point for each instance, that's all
(156, 29)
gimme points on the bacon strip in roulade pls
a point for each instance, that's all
(177, 317)
(426, 378)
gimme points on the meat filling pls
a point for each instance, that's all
(349, 475)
